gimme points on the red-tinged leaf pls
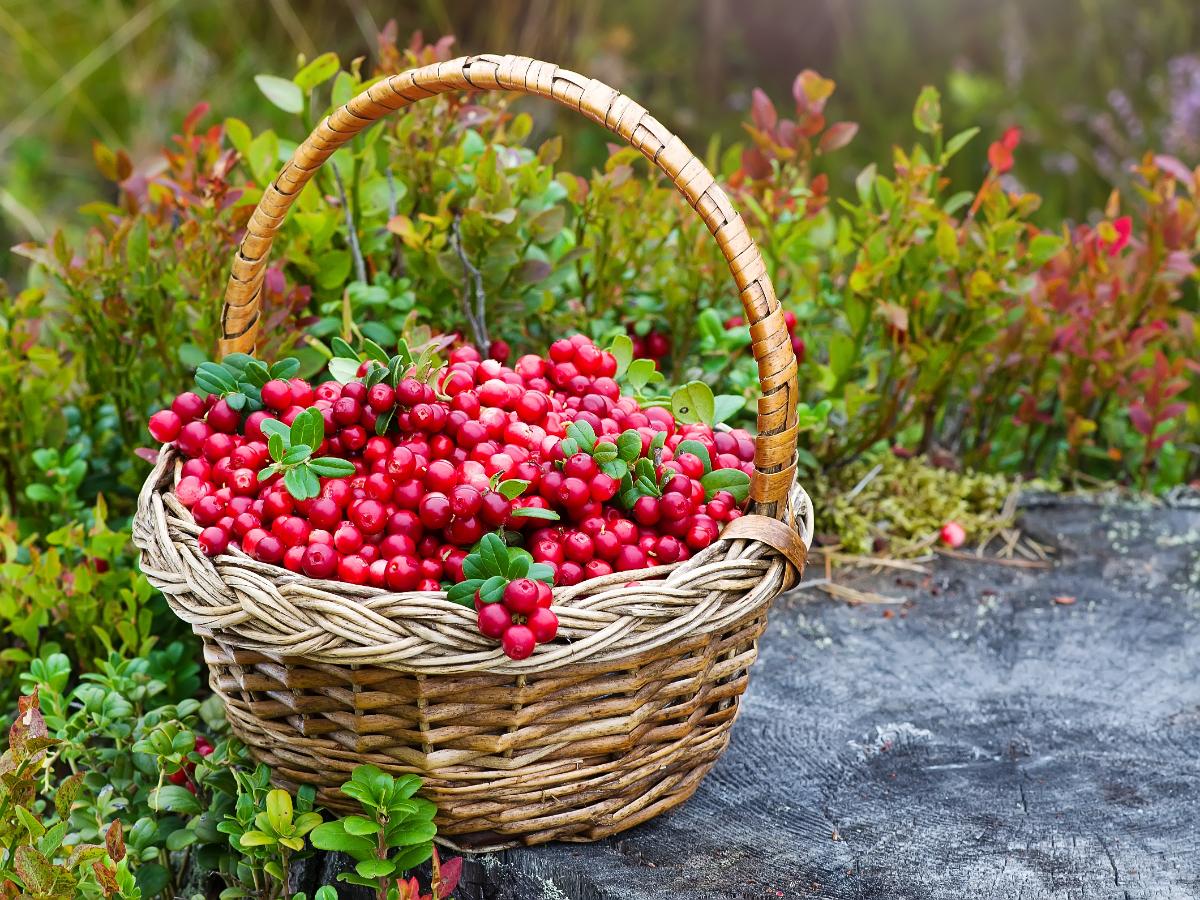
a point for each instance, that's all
(1064, 600)
(1011, 138)
(198, 112)
(786, 134)
(762, 110)
(451, 872)
(1000, 158)
(837, 135)
(107, 878)
(1141, 420)
(114, 841)
(755, 163)
(149, 454)
(810, 92)
(1172, 411)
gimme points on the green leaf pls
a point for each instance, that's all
(735, 481)
(604, 451)
(39, 493)
(642, 372)
(373, 351)
(254, 838)
(927, 114)
(1043, 248)
(727, 406)
(374, 868)
(279, 810)
(342, 350)
(412, 857)
(283, 93)
(492, 590)
(629, 445)
(317, 72)
(137, 245)
(276, 447)
(296, 455)
(332, 836)
(535, 512)
(464, 591)
(332, 467)
(236, 401)
(296, 484)
(274, 426)
(285, 368)
(312, 484)
(512, 488)
(584, 434)
(239, 135)
(696, 449)
(957, 142)
(694, 403)
(541, 572)
(343, 370)
(493, 554)
(622, 349)
(174, 798)
(359, 825)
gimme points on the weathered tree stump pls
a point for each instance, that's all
(983, 741)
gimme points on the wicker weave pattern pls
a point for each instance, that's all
(771, 345)
(590, 735)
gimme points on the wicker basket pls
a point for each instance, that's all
(613, 723)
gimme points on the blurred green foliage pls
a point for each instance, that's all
(1094, 83)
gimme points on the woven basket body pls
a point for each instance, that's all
(613, 723)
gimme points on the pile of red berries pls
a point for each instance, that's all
(654, 345)
(411, 466)
(789, 319)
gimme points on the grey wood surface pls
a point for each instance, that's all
(984, 741)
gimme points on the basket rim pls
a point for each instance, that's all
(286, 615)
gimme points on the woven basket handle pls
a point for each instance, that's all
(774, 458)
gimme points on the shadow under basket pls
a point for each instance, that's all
(615, 721)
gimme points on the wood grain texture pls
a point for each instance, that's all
(775, 457)
(990, 743)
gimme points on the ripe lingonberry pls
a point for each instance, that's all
(320, 561)
(434, 510)
(403, 573)
(518, 642)
(493, 620)
(188, 406)
(543, 624)
(164, 425)
(213, 540)
(277, 395)
(521, 596)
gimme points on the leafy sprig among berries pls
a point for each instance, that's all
(239, 378)
(346, 363)
(490, 567)
(292, 448)
(690, 403)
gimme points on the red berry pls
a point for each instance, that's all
(369, 515)
(403, 573)
(521, 596)
(353, 569)
(630, 557)
(465, 500)
(494, 620)
(277, 395)
(518, 642)
(188, 406)
(320, 561)
(494, 509)
(324, 513)
(164, 425)
(347, 538)
(464, 531)
(434, 510)
(578, 546)
(674, 506)
(192, 437)
(646, 511)
(953, 535)
(191, 489)
(441, 476)
(269, 549)
(543, 624)
(213, 540)
(381, 397)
